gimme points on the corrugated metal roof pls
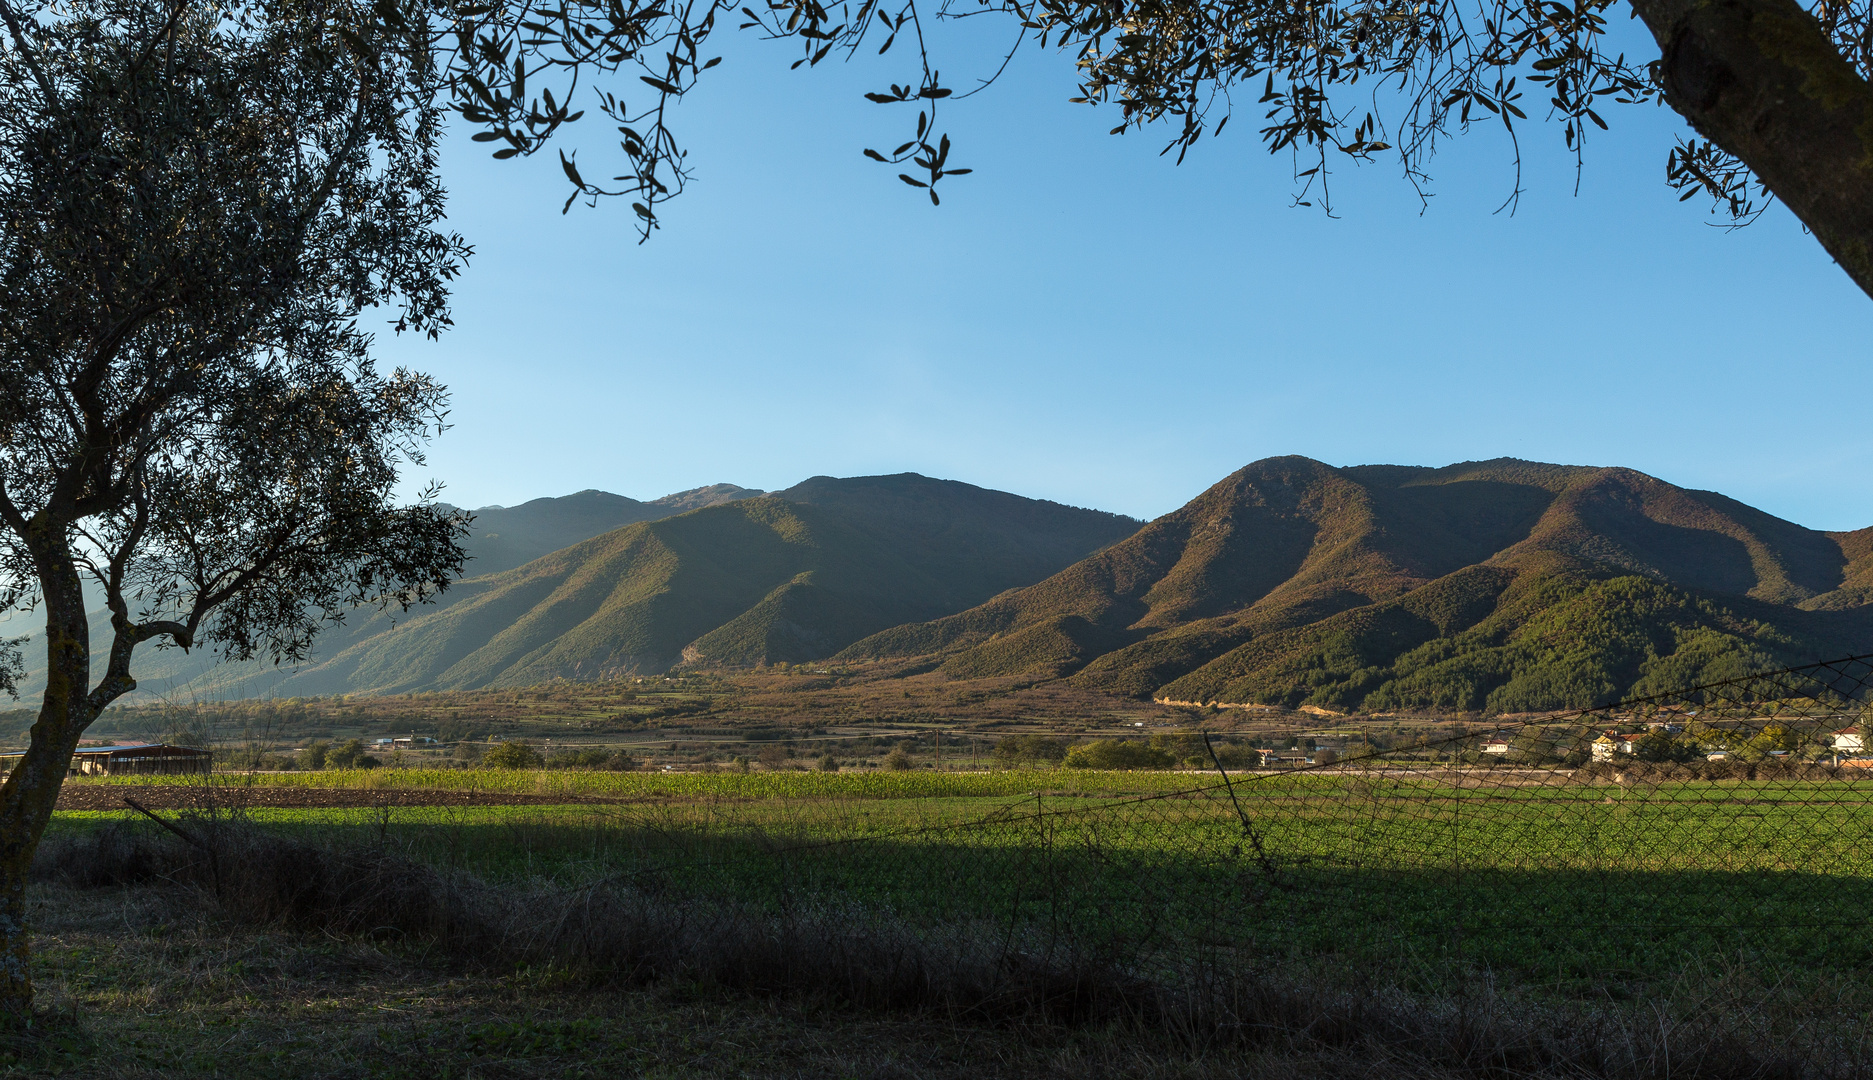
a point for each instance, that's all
(121, 747)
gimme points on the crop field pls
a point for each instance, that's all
(788, 784)
(1540, 880)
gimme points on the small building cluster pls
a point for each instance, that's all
(1847, 741)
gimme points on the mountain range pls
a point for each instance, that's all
(503, 537)
(1502, 586)
(746, 578)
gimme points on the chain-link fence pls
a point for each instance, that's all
(1719, 824)
(1613, 892)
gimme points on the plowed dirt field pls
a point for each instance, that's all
(191, 797)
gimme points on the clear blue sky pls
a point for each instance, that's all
(1083, 321)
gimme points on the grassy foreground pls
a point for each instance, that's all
(1573, 886)
(162, 979)
(1555, 925)
(150, 983)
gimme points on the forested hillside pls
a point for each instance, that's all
(792, 576)
(499, 538)
(1502, 586)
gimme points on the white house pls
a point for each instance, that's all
(1498, 744)
(1607, 745)
(1849, 741)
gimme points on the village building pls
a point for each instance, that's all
(1849, 740)
(1498, 744)
(130, 759)
(1607, 745)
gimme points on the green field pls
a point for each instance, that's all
(785, 784)
(1567, 885)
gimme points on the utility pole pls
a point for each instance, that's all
(939, 737)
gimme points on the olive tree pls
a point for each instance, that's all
(204, 205)
(1775, 93)
(204, 211)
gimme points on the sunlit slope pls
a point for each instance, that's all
(1856, 588)
(793, 577)
(499, 538)
(1501, 585)
(503, 537)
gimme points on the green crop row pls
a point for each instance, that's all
(910, 784)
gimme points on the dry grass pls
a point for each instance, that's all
(148, 982)
(296, 960)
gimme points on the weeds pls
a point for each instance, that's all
(615, 935)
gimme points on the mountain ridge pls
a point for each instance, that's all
(792, 575)
(503, 537)
(1294, 582)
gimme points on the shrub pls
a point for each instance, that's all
(1117, 754)
(1230, 755)
(512, 755)
(593, 758)
(350, 755)
(1018, 750)
(828, 763)
(897, 759)
(254, 758)
(314, 756)
(1181, 746)
(1531, 748)
(462, 731)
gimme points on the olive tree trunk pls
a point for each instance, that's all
(1762, 80)
(32, 789)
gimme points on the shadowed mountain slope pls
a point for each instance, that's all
(1502, 586)
(792, 576)
(503, 537)
(500, 538)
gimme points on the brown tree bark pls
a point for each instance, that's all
(1762, 80)
(31, 791)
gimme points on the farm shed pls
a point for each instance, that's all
(139, 758)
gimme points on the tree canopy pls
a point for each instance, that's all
(1776, 95)
(200, 206)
